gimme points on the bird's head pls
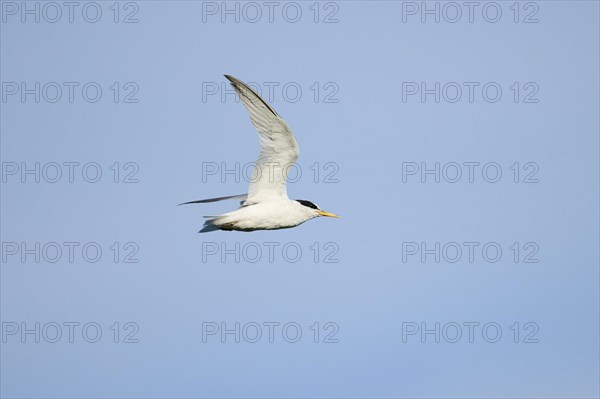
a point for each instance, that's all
(315, 210)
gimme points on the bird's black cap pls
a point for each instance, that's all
(308, 204)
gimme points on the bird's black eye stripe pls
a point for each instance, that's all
(308, 204)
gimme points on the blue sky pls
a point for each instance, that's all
(462, 155)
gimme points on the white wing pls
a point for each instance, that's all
(278, 148)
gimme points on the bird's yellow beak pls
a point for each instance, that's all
(328, 214)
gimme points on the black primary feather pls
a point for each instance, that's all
(205, 201)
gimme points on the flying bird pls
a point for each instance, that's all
(266, 206)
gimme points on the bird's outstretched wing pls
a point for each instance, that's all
(206, 201)
(278, 148)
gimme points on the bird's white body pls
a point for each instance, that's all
(266, 206)
(268, 215)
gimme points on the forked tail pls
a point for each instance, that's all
(209, 225)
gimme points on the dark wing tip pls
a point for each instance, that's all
(241, 87)
(199, 201)
(186, 203)
(238, 85)
(208, 200)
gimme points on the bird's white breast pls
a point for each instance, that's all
(266, 215)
